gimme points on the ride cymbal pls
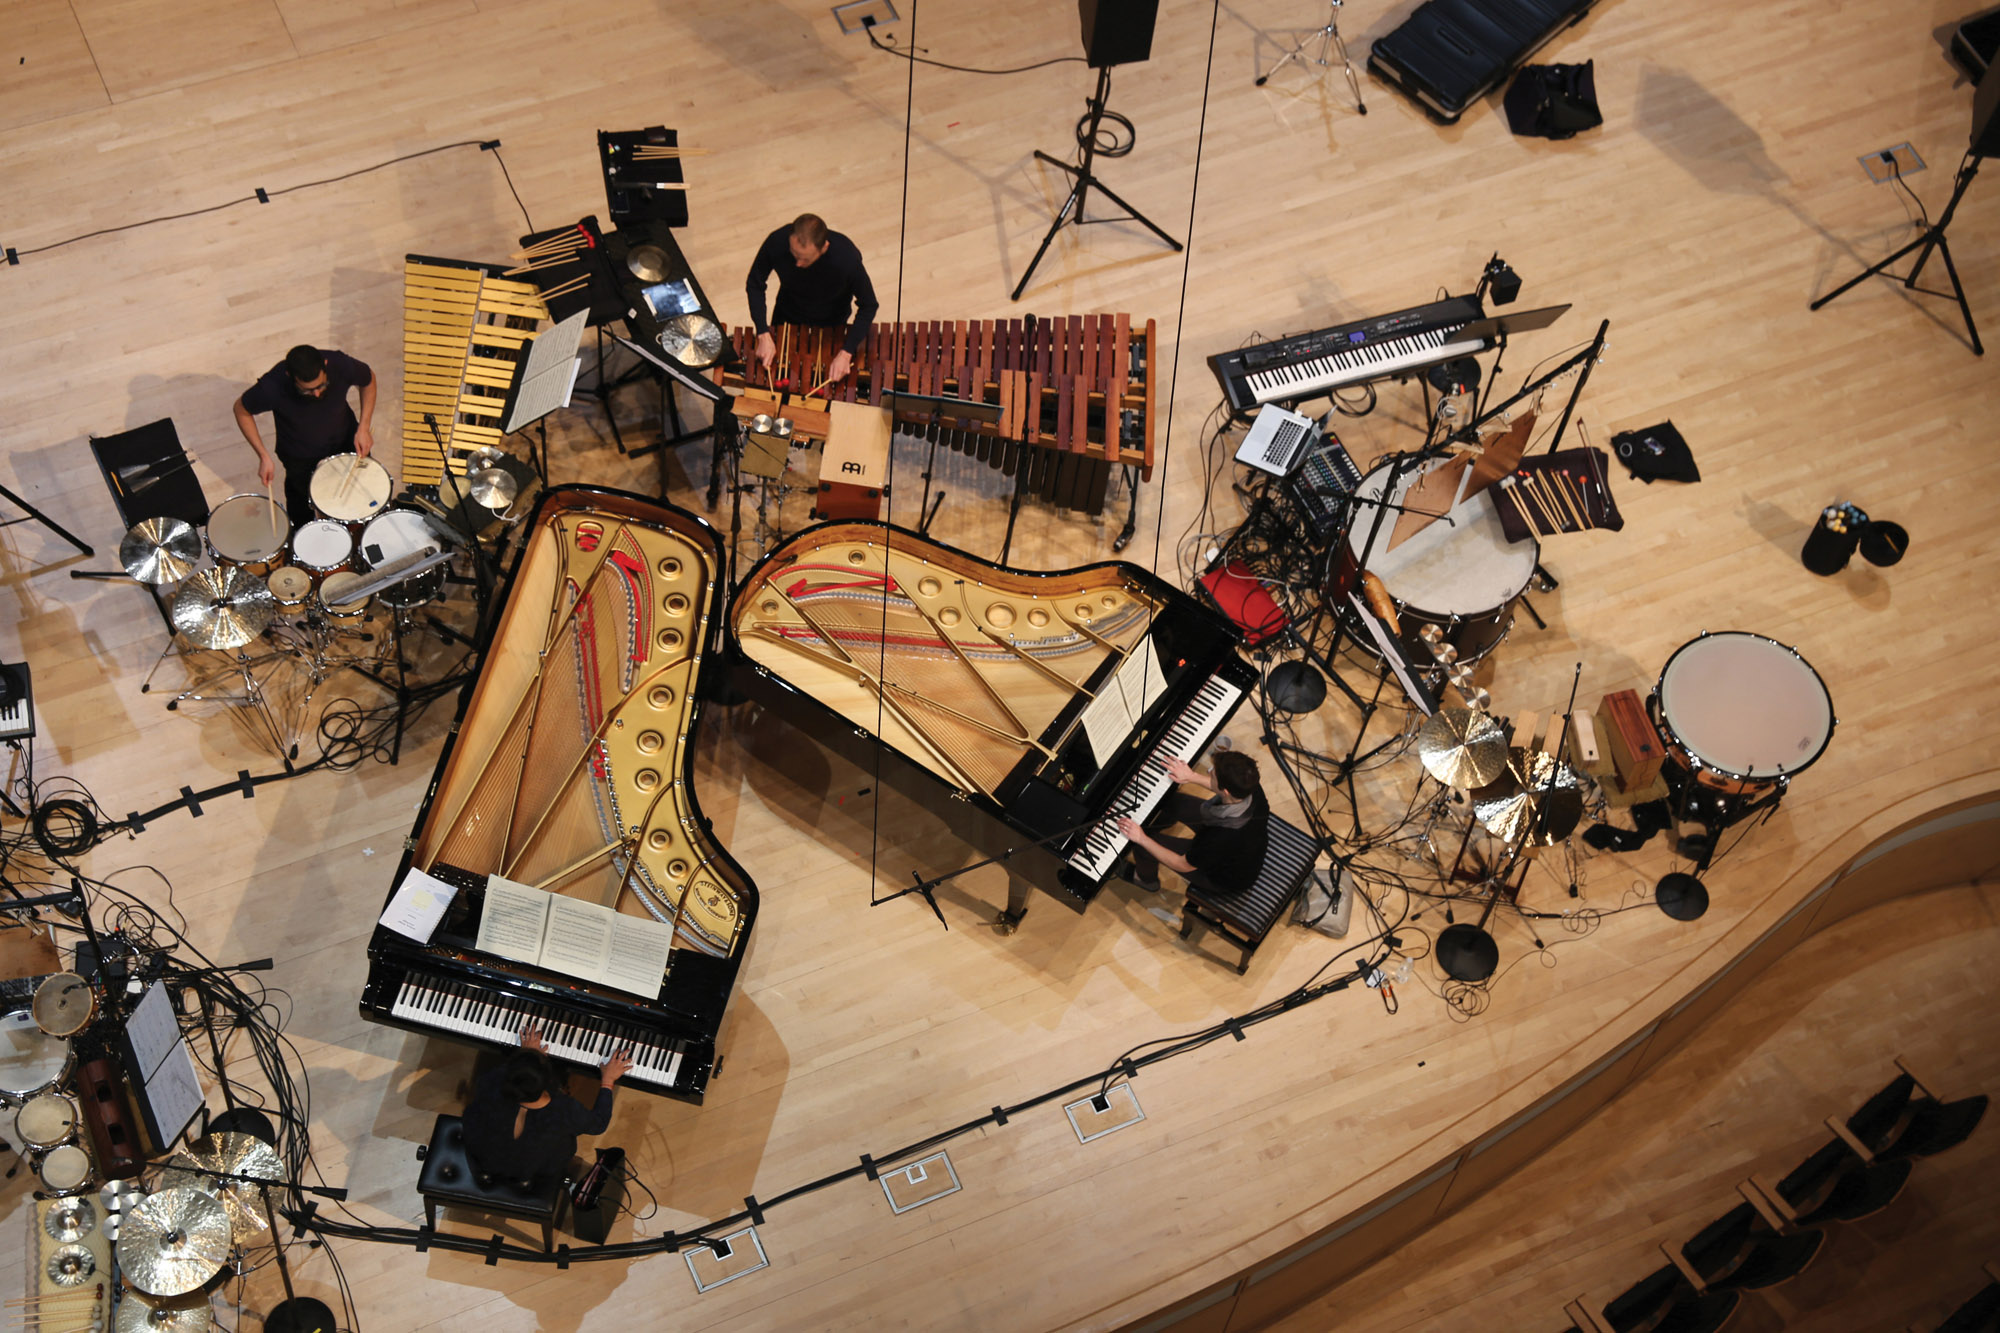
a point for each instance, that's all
(231, 1154)
(223, 608)
(1541, 808)
(1462, 748)
(160, 550)
(140, 1313)
(174, 1241)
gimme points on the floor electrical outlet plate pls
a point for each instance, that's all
(1902, 160)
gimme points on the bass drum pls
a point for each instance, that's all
(1463, 576)
(1741, 713)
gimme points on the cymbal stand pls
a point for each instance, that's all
(252, 698)
(1329, 40)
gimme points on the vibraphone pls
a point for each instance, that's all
(1075, 393)
(464, 331)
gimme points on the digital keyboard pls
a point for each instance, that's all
(493, 1016)
(1308, 364)
(1184, 738)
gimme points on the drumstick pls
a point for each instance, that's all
(581, 280)
(274, 510)
(1555, 484)
(556, 259)
(353, 460)
(1540, 483)
(1532, 509)
(1576, 493)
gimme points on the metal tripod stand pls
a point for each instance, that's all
(1330, 41)
(1932, 239)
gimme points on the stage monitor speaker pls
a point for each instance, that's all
(1985, 115)
(1117, 32)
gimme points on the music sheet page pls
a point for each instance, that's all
(418, 905)
(578, 937)
(636, 958)
(1109, 718)
(512, 923)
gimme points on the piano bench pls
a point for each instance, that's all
(448, 1179)
(1245, 917)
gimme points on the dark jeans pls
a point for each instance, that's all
(1184, 808)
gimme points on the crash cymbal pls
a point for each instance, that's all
(140, 1313)
(647, 262)
(174, 1241)
(223, 608)
(494, 487)
(160, 550)
(70, 1219)
(71, 1266)
(1540, 806)
(232, 1155)
(1462, 748)
(693, 340)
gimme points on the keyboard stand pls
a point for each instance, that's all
(1072, 208)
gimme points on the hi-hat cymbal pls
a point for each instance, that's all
(160, 550)
(1540, 806)
(174, 1241)
(231, 1154)
(494, 487)
(223, 608)
(140, 1313)
(647, 262)
(693, 340)
(1462, 748)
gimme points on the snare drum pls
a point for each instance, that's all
(1741, 713)
(1463, 576)
(247, 531)
(323, 547)
(349, 489)
(290, 586)
(65, 1170)
(31, 1061)
(332, 588)
(46, 1120)
(397, 535)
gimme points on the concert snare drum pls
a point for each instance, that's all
(247, 531)
(46, 1120)
(1463, 576)
(350, 489)
(31, 1061)
(64, 1004)
(290, 586)
(332, 588)
(1741, 713)
(65, 1170)
(323, 547)
(396, 535)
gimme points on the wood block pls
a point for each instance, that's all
(1584, 750)
(1628, 733)
(840, 500)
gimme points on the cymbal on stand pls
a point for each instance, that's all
(174, 1241)
(223, 608)
(1462, 748)
(160, 550)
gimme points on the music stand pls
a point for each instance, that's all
(1085, 176)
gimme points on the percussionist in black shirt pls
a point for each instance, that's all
(306, 395)
(521, 1125)
(820, 277)
(1231, 828)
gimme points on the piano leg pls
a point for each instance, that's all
(1009, 919)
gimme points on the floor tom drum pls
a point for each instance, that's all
(1739, 712)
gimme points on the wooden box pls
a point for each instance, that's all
(1625, 730)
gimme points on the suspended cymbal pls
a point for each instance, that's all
(174, 1241)
(140, 1313)
(1462, 748)
(160, 550)
(1540, 806)
(119, 1197)
(494, 487)
(70, 1219)
(223, 608)
(693, 340)
(647, 262)
(235, 1155)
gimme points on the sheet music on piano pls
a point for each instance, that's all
(576, 938)
(1133, 688)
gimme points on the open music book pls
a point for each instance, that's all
(576, 938)
(1122, 700)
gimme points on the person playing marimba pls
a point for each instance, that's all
(820, 278)
(306, 395)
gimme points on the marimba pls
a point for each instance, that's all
(465, 329)
(1074, 393)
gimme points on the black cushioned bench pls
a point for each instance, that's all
(1450, 53)
(448, 1179)
(1246, 917)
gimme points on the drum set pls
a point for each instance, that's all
(35, 1066)
(307, 593)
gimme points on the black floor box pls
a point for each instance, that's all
(1450, 53)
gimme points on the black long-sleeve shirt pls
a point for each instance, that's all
(819, 295)
(547, 1141)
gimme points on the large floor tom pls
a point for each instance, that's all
(349, 489)
(248, 531)
(1463, 576)
(323, 547)
(1739, 712)
(31, 1061)
(397, 535)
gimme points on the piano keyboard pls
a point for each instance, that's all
(1367, 361)
(1308, 364)
(484, 1015)
(17, 702)
(1149, 784)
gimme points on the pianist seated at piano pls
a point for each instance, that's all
(522, 1124)
(820, 280)
(1229, 827)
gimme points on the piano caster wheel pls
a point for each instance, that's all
(1009, 922)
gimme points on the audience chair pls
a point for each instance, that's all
(1741, 1251)
(1981, 1314)
(1907, 1119)
(1666, 1302)
(448, 1178)
(1835, 1185)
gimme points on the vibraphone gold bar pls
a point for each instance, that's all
(1075, 392)
(464, 331)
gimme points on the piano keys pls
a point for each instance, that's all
(1306, 365)
(570, 770)
(1048, 701)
